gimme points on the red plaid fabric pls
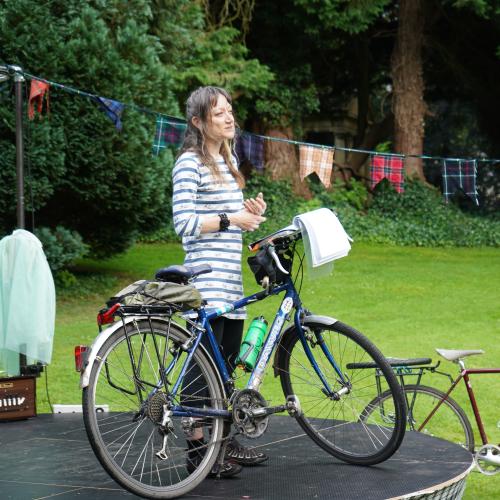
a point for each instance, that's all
(38, 90)
(318, 160)
(389, 167)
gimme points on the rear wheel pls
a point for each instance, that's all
(138, 440)
(332, 417)
(449, 422)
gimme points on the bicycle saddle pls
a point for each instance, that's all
(454, 355)
(181, 274)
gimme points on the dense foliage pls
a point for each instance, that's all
(82, 174)
(295, 59)
(418, 217)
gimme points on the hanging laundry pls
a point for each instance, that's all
(113, 109)
(460, 174)
(38, 90)
(318, 160)
(168, 133)
(388, 167)
(250, 147)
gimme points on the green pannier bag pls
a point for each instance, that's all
(146, 293)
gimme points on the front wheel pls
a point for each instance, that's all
(332, 407)
(449, 421)
(141, 437)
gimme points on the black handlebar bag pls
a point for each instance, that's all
(262, 265)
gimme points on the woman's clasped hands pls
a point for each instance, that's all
(251, 217)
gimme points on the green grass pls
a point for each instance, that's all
(408, 301)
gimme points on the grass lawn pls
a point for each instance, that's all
(408, 301)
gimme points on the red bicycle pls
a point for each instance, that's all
(435, 412)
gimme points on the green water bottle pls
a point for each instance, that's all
(252, 343)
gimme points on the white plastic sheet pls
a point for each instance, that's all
(27, 297)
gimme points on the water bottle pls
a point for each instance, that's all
(252, 343)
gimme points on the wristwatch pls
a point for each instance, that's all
(224, 222)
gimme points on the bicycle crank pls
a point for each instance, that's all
(487, 459)
(292, 406)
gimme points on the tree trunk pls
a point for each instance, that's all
(282, 161)
(408, 85)
(363, 56)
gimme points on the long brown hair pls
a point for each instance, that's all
(199, 104)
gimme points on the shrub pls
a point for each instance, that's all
(419, 217)
(62, 247)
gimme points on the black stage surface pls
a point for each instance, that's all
(49, 457)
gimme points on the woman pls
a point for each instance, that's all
(210, 215)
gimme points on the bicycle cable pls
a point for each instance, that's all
(299, 270)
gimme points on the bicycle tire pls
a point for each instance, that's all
(126, 445)
(335, 425)
(449, 422)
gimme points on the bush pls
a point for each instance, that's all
(62, 247)
(418, 217)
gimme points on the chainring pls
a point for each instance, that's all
(248, 425)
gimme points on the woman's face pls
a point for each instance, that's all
(220, 124)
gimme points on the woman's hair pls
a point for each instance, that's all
(200, 103)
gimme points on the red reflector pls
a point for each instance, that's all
(80, 351)
(106, 317)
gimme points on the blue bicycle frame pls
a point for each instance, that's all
(291, 300)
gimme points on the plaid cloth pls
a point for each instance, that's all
(251, 148)
(113, 109)
(389, 167)
(319, 160)
(168, 133)
(38, 90)
(460, 174)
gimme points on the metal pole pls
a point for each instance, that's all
(18, 84)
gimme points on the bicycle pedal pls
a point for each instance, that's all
(293, 406)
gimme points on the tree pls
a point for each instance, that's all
(85, 175)
(362, 48)
(408, 85)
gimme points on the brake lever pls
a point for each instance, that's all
(274, 255)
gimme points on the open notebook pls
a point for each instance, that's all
(325, 240)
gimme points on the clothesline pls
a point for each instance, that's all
(180, 121)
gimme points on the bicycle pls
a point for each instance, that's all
(435, 412)
(161, 385)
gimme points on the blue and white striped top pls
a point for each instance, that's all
(196, 193)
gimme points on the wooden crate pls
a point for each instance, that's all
(17, 398)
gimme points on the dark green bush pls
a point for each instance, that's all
(418, 217)
(61, 246)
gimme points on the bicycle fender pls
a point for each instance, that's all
(288, 334)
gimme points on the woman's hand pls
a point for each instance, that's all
(256, 205)
(246, 220)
